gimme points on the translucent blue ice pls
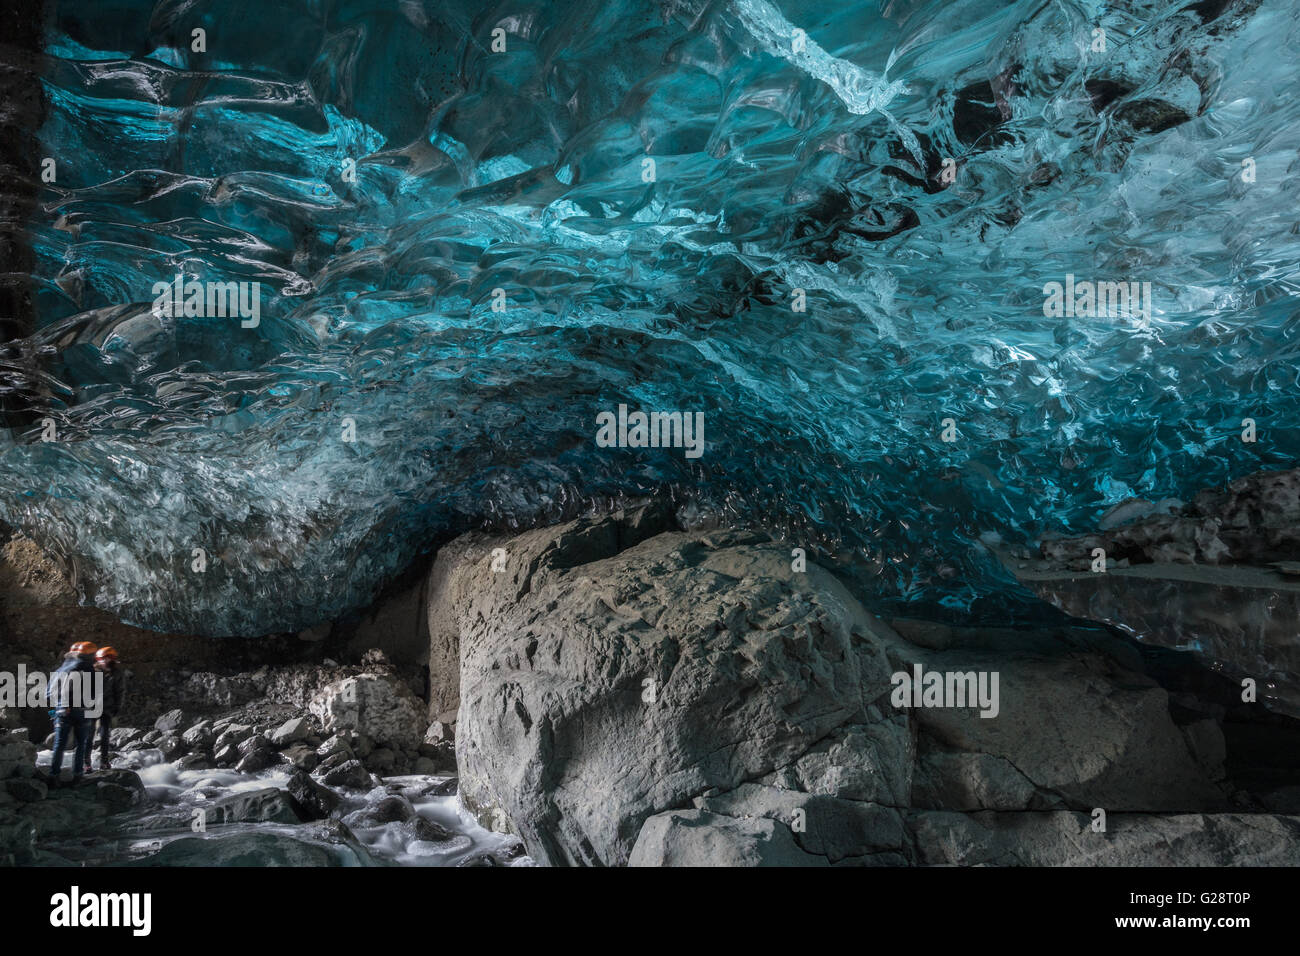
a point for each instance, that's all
(914, 173)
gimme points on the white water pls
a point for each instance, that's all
(170, 788)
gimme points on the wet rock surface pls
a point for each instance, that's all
(168, 813)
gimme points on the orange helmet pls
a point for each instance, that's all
(83, 647)
(106, 654)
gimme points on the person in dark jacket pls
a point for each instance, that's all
(106, 661)
(66, 695)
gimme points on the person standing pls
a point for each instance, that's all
(114, 695)
(66, 695)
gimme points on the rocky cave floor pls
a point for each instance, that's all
(621, 690)
(256, 785)
(144, 810)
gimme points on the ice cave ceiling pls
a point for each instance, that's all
(829, 227)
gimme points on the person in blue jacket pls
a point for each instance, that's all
(66, 695)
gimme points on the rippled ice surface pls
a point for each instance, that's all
(796, 146)
(137, 835)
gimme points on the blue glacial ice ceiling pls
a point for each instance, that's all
(912, 173)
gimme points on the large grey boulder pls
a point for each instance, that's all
(628, 695)
(232, 735)
(604, 681)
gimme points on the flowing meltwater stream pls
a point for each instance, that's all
(137, 836)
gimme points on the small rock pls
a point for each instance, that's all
(332, 761)
(391, 809)
(266, 805)
(314, 801)
(255, 760)
(339, 743)
(233, 734)
(443, 755)
(291, 731)
(427, 830)
(116, 789)
(115, 796)
(27, 791)
(439, 732)
(375, 658)
(423, 765)
(254, 744)
(500, 857)
(119, 737)
(173, 720)
(200, 736)
(348, 774)
(301, 757)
